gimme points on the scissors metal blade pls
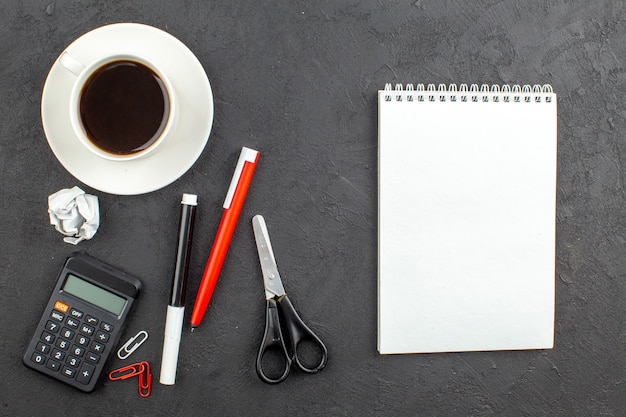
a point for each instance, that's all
(271, 277)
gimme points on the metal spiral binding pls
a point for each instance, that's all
(473, 93)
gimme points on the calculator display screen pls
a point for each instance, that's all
(93, 294)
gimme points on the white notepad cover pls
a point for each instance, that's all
(467, 200)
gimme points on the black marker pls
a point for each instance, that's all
(176, 307)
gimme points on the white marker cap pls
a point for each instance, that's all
(171, 344)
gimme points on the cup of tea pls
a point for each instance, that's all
(122, 106)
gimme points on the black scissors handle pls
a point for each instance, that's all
(273, 340)
(300, 332)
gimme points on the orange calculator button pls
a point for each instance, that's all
(62, 307)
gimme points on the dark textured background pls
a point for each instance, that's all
(298, 81)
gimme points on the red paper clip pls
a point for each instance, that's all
(141, 369)
(126, 372)
(145, 380)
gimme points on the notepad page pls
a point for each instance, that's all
(467, 199)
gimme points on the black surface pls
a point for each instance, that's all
(298, 82)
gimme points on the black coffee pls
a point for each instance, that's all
(124, 107)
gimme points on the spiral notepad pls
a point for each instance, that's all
(467, 200)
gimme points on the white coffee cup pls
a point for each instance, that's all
(83, 74)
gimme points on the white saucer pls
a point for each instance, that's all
(172, 158)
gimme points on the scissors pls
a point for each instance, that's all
(273, 339)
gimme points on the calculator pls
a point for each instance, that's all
(82, 322)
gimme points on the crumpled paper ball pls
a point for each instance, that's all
(74, 214)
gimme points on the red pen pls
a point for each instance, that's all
(232, 207)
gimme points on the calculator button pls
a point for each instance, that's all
(57, 354)
(67, 333)
(85, 373)
(55, 315)
(97, 347)
(102, 337)
(91, 320)
(42, 348)
(63, 344)
(92, 357)
(76, 313)
(47, 337)
(38, 358)
(72, 361)
(82, 340)
(61, 306)
(106, 327)
(77, 350)
(86, 330)
(54, 365)
(73, 323)
(52, 326)
(68, 372)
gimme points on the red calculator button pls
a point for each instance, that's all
(62, 307)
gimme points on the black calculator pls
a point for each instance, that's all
(82, 322)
